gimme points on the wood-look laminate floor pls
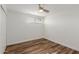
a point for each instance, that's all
(40, 46)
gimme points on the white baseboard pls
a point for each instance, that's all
(24, 40)
(66, 45)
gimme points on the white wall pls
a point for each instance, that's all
(63, 26)
(20, 27)
(2, 30)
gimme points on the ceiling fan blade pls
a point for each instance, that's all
(46, 10)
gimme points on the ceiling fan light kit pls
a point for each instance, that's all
(40, 10)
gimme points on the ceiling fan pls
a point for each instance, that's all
(42, 9)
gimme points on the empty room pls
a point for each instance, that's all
(39, 28)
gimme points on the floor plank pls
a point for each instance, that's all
(39, 46)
